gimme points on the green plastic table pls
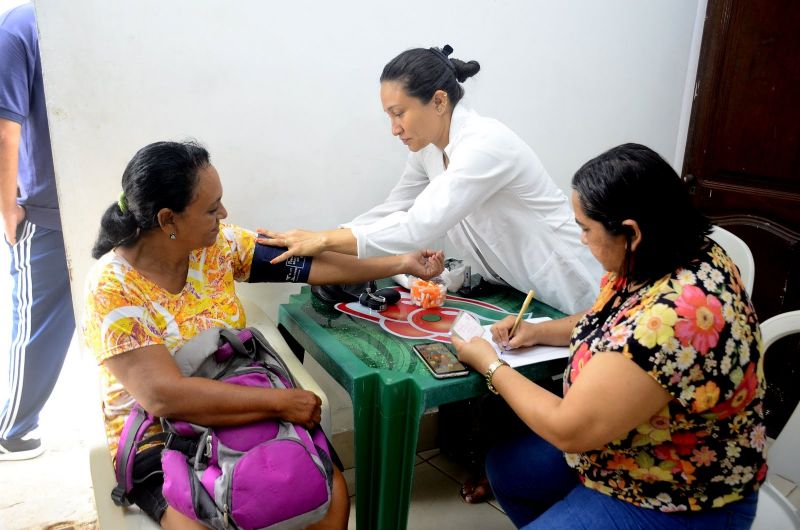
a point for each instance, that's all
(390, 389)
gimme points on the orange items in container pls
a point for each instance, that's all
(428, 294)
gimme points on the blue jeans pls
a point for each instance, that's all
(537, 489)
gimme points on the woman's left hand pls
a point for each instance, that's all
(424, 264)
(477, 353)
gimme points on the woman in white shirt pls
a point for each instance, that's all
(468, 177)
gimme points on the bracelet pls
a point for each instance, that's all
(490, 374)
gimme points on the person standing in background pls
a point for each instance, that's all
(42, 320)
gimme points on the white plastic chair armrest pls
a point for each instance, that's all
(109, 515)
(774, 510)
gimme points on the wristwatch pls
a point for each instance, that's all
(490, 373)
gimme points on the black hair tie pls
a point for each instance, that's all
(442, 55)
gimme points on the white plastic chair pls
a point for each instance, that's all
(112, 517)
(739, 252)
(775, 511)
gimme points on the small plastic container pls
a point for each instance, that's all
(428, 294)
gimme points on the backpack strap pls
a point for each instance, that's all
(233, 343)
(272, 358)
(213, 352)
(137, 423)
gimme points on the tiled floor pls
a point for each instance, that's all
(435, 503)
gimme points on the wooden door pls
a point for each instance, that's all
(743, 158)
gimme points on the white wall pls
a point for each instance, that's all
(285, 95)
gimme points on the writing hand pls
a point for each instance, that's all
(524, 336)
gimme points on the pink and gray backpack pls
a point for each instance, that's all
(270, 474)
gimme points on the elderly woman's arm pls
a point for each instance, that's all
(151, 376)
(597, 409)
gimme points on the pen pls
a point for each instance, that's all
(525, 305)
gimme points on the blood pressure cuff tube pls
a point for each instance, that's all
(294, 270)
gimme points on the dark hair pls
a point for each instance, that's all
(632, 181)
(423, 71)
(160, 175)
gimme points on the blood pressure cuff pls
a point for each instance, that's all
(295, 269)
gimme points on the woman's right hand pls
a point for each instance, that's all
(11, 221)
(523, 337)
(297, 242)
(308, 243)
(301, 407)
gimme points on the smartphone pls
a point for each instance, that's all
(440, 360)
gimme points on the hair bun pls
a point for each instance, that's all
(465, 70)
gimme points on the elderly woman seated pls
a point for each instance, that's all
(165, 272)
(661, 422)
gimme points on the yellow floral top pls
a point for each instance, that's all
(695, 332)
(124, 310)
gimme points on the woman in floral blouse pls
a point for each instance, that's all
(166, 272)
(661, 424)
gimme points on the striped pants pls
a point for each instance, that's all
(42, 324)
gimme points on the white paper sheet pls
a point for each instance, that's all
(523, 356)
(466, 326)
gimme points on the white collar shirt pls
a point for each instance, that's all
(499, 208)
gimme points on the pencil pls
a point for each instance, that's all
(525, 305)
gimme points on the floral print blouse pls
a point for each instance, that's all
(695, 332)
(124, 310)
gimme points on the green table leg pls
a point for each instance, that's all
(387, 416)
